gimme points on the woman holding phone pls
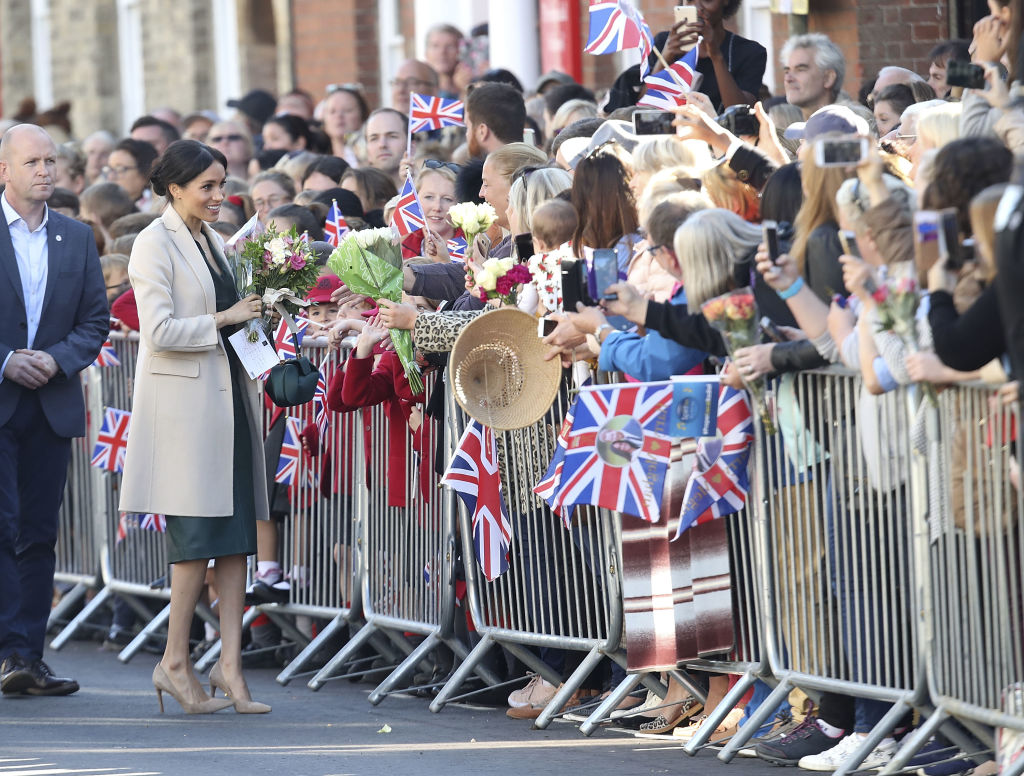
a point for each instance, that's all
(732, 66)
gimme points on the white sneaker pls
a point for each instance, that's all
(832, 759)
(537, 692)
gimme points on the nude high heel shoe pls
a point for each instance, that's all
(241, 706)
(162, 683)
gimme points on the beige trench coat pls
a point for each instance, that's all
(179, 456)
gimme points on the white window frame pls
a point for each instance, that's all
(131, 61)
(227, 72)
(42, 55)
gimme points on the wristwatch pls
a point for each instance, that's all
(594, 340)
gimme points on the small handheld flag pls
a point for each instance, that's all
(428, 113)
(335, 228)
(112, 440)
(107, 356)
(408, 216)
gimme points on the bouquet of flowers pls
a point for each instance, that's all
(278, 267)
(735, 316)
(897, 301)
(500, 278)
(472, 219)
(369, 262)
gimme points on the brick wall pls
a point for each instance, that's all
(85, 63)
(16, 60)
(342, 52)
(900, 34)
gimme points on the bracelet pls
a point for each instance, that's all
(793, 289)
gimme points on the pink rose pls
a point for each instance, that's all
(297, 261)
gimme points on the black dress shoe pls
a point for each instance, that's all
(45, 683)
(15, 676)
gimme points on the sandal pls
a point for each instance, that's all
(662, 724)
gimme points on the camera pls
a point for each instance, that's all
(965, 74)
(740, 120)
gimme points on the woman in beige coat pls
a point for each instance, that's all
(195, 452)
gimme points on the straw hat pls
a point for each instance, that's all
(499, 374)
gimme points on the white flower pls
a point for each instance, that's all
(278, 251)
(472, 218)
(487, 279)
(506, 264)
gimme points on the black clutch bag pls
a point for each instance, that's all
(292, 383)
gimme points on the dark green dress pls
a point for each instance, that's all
(194, 538)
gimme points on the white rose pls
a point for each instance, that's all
(278, 251)
(487, 279)
(505, 265)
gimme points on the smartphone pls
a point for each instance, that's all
(771, 330)
(965, 74)
(606, 272)
(740, 120)
(653, 122)
(849, 242)
(770, 230)
(530, 137)
(545, 327)
(574, 284)
(686, 13)
(949, 248)
(840, 151)
(524, 246)
(928, 239)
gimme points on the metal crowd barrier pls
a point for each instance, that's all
(975, 571)
(406, 556)
(840, 554)
(562, 591)
(80, 525)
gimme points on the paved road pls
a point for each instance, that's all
(113, 726)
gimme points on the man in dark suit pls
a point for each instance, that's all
(53, 322)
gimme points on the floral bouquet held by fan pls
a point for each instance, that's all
(472, 219)
(734, 316)
(500, 279)
(369, 262)
(280, 268)
(897, 301)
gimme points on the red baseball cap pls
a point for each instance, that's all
(325, 286)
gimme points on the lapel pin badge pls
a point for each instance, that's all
(58, 238)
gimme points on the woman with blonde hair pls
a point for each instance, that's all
(710, 245)
(435, 187)
(938, 125)
(816, 248)
(531, 187)
(662, 153)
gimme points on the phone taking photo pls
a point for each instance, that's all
(653, 122)
(606, 272)
(770, 230)
(840, 151)
(849, 242)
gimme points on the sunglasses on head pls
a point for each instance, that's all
(437, 164)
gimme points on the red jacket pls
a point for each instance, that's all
(362, 385)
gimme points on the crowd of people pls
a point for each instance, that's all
(683, 212)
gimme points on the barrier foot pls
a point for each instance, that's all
(912, 744)
(720, 712)
(67, 602)
(210, 656)
(571, 685)
(404, 668)
(622, 689)
(299, 661)
(885, 726)
(133, 646)
(87, 611)
(461, 653)
(362, 636)
(755, 722)
(284, 622)
(462, 673)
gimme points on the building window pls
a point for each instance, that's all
(131, 61)
(42, 62)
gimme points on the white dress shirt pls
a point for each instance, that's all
(33, 256)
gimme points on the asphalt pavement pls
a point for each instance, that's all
(113, 726)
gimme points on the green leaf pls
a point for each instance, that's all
(365, 273)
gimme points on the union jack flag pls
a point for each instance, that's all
(548, 485)
(112, 440)
(291, 453)
(427, 113)
(147, 522)
(320, 414)
(284, 342)
(408, 216)
(457, 249)
(107, 356)
(336, 227)
(618, 449)
(617, 26)
(666, 89)
(720, 480)
(473, 474)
